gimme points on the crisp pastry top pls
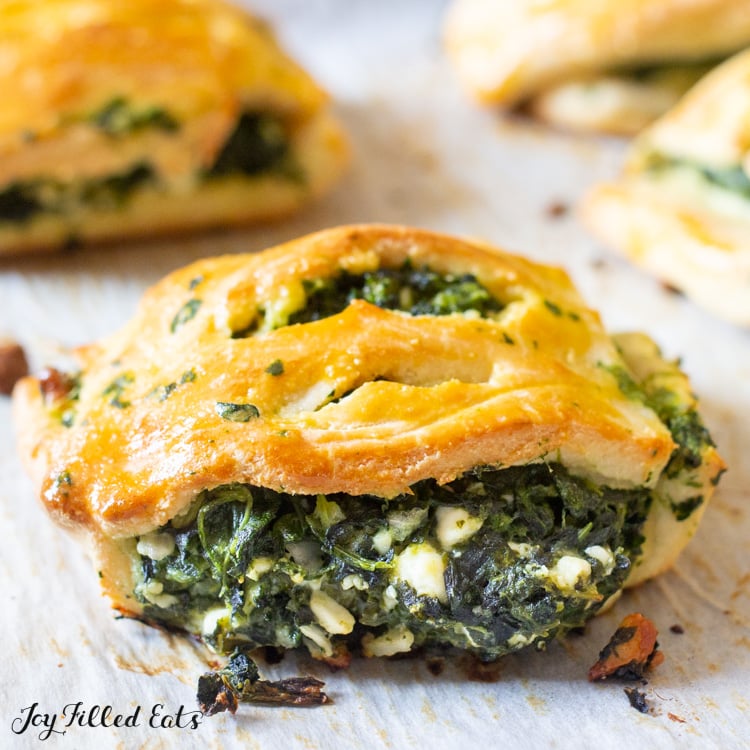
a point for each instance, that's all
(201, 62)
(213, 382)
(509, 50)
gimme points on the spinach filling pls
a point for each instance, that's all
(677, 75)
(517, 556)
(417, 291)
(119, 117)
(688, 432)
(732, 179)
(23, 201)
(259, 144)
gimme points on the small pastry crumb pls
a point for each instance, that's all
(631, 651)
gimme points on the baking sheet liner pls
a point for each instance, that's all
(424, 155)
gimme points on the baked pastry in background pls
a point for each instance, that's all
(681, 209)
(591, 65)
(371, 437)
(150, 117)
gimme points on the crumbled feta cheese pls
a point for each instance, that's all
(258, 567)
(330, 614)
(354, 581)
(602, 555)
(382, 541)
(397, 640)
(212, 617)
(317, 639)
(522, 549)
(423, 568)
(157, 545)
(152, 591)
(569, 570)
(390, 598)
(518, 640)
(455, 525)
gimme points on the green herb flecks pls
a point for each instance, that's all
(186, 313)
(64, 478)
(275, 368)
(237, 412)
(115, 390)
(253, 552)
(553, 308)
(732, 179)
(163, 392)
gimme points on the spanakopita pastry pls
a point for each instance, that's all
(150, 117)
(681, 209)
(371, 437)
(591, 65)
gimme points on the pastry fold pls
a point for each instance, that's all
(681, 208)
(151, 117)
(589, 65)
(340, 418)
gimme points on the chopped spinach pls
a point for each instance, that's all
(19, 202)
(23, 201)
(685, 508)
(417, 291)
(734, 179)
(115, 190)
(683, 422)
(259, 143)
(253, 557)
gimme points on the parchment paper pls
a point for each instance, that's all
(423, 154)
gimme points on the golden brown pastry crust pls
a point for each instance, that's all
(666, 216)
(203, 62)
(427, 396)
(510, 51)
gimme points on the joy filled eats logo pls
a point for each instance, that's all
(33, 720)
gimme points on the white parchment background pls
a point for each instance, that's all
(424, 155)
